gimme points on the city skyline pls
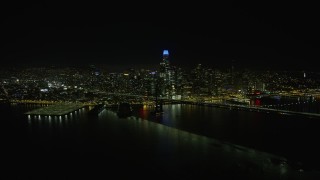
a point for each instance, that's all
(156, 89)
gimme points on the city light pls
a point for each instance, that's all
(165, 52)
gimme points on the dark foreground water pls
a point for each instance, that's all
(187, 142)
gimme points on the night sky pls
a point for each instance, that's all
(259, 36)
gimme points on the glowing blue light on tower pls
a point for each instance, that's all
(165, 52)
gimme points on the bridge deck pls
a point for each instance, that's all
(253, 108)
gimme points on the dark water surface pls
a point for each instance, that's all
(187, 142)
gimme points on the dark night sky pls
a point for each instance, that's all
(261, 35)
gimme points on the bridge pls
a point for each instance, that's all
(314, 94)
(251, 108)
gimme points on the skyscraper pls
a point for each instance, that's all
(165, 56)
(167, 75)
(164, 65)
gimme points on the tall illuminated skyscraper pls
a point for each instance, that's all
(164, 65)
(165, 56)
(167, 74)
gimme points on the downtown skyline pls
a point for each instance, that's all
(156, 89)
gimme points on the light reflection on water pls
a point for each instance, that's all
(190, 135)
(170, 142)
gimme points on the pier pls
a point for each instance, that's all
(56, 110)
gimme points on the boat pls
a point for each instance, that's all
(124, 110)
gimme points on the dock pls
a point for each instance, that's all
(56, 109)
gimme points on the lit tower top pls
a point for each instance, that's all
(165, 53)
(166, 56)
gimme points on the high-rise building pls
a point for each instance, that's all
(167, 75)
(165, 56)
(164, 65)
